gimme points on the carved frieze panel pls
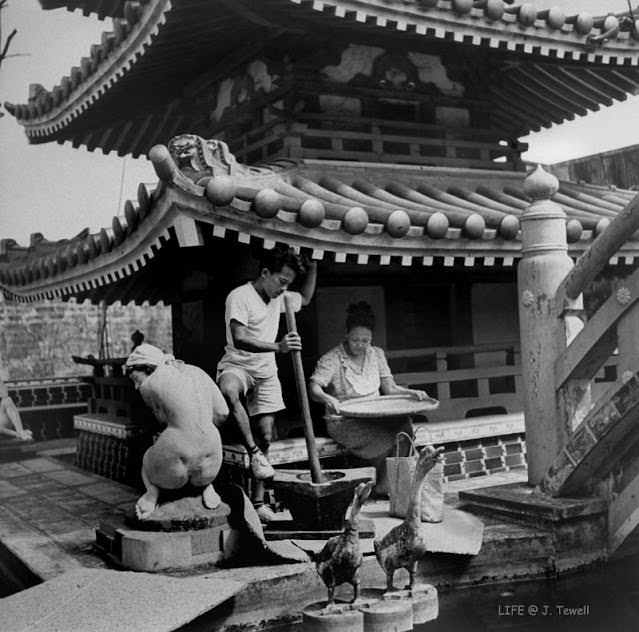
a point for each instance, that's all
(235, 93)
(403, 74)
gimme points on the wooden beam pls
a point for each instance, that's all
(585, 86)
(547, 102)
(555, 92)
(566, 87)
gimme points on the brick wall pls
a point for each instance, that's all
(38, 339)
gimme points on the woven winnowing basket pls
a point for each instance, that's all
(387, 406)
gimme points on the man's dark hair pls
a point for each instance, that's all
(360, 315)
(274, 260)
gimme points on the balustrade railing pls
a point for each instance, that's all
(468, 381)
(611, 333)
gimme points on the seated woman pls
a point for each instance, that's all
(357, 369)
(10, 422)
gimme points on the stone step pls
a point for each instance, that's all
(520, 502)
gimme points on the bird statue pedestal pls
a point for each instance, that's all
(319, 506)
(345, 617)
(387, 615)
(423, 598)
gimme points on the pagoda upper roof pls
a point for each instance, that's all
(362, 213)
(130, 91)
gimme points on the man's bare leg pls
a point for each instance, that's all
(232, 389)
(264, 432)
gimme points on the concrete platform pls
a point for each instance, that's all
(49, 511)
(106, 600)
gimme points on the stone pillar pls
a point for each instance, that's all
(543, 266)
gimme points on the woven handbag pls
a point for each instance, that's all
(400, 471)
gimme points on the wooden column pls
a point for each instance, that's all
(544, 265)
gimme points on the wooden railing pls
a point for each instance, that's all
(314, 135)
(613, 328)
(468, 380)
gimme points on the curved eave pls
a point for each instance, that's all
(101, 8)
(63, 113)
(516, 27)
(96, 75)
(181, 215)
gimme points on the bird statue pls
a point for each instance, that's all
(404, 544)
(340, 559)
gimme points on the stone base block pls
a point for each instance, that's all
(578, 526)
(319, 506)
(424, 599)
(153, 551)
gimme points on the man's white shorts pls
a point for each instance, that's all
(263, 395)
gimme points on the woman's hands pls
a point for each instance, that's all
(418, 395)
(332, 404)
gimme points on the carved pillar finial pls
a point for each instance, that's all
(544, 265)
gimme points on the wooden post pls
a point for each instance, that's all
(544, 265)
(302, 396)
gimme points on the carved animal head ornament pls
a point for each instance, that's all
(198, 158)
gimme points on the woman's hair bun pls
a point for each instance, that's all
(362, 307)
(360, 315)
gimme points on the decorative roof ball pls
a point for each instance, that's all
(267, 203)
(610, 23)
(509, 227)
(462, 6)
(527, 15)
(474, 226)
(158, 153)
(574, 229)
(602, 224)
(311, 213)
(162, 162)
(556, 18)
(130, 214)
(220, 190)
(355, 221)
(494, 9)
(398, 223)
(584, 24)
(437, 225)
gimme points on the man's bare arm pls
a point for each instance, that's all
(308, 286)
(246, 342)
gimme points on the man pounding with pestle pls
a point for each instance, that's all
(248, 368)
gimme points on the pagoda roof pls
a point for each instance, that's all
(380, 214)
(131, 91)
(100, 8)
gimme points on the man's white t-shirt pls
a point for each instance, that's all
(262, 321)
